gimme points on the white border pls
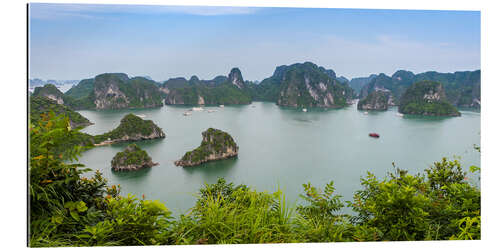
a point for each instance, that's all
(13, 101)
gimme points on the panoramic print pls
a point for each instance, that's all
(184, 125)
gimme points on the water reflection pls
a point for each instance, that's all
(213, 169)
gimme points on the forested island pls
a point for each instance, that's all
(426, 98)
(299, 85)
(462, 88)
(215, 145)
(131, 128)
(131, 159)
(115, 91)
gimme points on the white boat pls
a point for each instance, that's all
(365, 113)
(211, 110)
(142, 116)
(253, 106)
(222, 106)
(187, 113)
(304, 110)
(400, 115)
(197, 109)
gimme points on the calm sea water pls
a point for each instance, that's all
(283, 147)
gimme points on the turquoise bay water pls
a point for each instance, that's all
(283, 147)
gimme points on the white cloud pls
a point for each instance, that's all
(58, 11)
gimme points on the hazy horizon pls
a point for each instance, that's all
(78, 41)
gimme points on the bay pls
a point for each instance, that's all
(283, 147)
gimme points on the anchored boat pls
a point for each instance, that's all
(374, 135)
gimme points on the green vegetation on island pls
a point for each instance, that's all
(51, 92)
(68, 209)
(304, 85)
(132, 158)
(42, 105)
(216, 145)
(115, 91)
(426, 98)
(131, 128)
(462, 89)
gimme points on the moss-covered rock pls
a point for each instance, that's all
(132, 158)
(426, 98)
(216, 145)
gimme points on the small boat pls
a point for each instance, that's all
(186, 113)
(142, 116)
(365, 113)
(399, 114)
(197, 109)
(210, 110)
(304, 110)
(253, 106)
(222, 106)
(374, 135)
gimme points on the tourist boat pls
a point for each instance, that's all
(187, 113)
(304, 110)
(374, 135)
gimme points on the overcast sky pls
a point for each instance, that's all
(70, 41)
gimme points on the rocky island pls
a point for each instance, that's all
(216, 145)
(115, 91)
(304, 85)
(426, 98)
(131, 128)
(376, 100)
(462, 88)
(132, 158)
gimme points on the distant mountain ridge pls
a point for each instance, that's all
(296, 85)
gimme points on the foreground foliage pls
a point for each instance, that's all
(68, 209)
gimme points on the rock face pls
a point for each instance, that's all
(376, 100)
(51, 92)
(115, 91)
(216, 145)
(235, 78)
(426, 98)
(131, 159)
(131, 128)
(307, 85)
(359, 82)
